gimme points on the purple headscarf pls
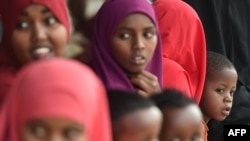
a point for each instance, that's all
(107, 19)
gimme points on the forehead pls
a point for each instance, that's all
(228, 75)
(183, 123)
(141, 119)
(185, 116)
(53, 122)
(35, 8)
(136, 19)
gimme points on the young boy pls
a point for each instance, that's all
(220, 85)
(181, 116)
(134, 118)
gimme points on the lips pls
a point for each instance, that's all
(41, 52)
(226, 111)
(138, 60)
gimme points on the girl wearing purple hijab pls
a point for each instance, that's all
(127, 47)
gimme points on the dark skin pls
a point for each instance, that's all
(133, 45)
(53, 129)
(37, 29)
(145, 83)
(139, 125)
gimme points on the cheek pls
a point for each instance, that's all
(80, 138)
(208, 93)
(20, 40)
(21, 45)
(152, 45)
(59, 38)
(211, 103)
(120, 48)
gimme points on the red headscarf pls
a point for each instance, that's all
(176, 77)
(183, 40)
(10, 10)
(59, 88)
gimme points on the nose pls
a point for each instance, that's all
(139, 43)
(228, 98)
(56, 137)
(38, 33)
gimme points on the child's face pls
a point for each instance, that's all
(182, 124)
(134, 42)
(218, 93)
(140, 125)
(52, 129)
(38, 35)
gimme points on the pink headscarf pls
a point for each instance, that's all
(10, 10)
(56, 88)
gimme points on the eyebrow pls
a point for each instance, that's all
(43, 11)
(128, 28)
(125, 28)
(78, 126)
(36, 123)
(150, 27)
(235, 87)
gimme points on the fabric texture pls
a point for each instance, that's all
(10, 11)
(107, 19)
(175, 77)
(204, 130)
(58, 88)
(1, 30)
(183, 40)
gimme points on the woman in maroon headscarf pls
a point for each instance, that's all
(33, 29)
(183, 41)
(56, 99)
(127, 48)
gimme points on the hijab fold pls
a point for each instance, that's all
(107, 19)
(183, 40)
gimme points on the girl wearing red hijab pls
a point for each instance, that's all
(183, 41)
(56, 99)
(33, 29)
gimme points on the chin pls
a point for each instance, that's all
(135, 71)
(221, 118)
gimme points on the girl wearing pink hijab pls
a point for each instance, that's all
(56, 99)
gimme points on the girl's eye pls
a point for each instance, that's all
(72, 133)
(196, 138)
(39, 131)
(124, 36)
(50, 21)
(176, 139)
(22, 25)
(148, 34)
(150, 139)
(220, 91)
